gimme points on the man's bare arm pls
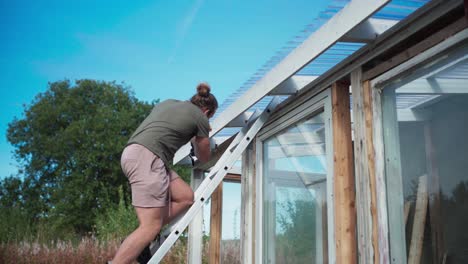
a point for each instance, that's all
(202, 148)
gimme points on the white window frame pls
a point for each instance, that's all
(289, 116)
(406, 72)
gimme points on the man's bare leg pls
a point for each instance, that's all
(150, 220)
(181, 199)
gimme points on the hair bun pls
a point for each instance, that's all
(203, 89)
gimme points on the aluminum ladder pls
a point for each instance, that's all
(215, 177)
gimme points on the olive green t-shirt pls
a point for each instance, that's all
(169, 126)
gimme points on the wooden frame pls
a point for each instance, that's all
(344, 204)
(216, 225)
(411, 52)
(370, 182)
(216, 219)
(367, 221)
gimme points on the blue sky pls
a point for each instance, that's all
(162, 49)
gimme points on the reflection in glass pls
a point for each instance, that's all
(429, 112)
(294, 194)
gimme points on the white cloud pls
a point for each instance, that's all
(184, 27)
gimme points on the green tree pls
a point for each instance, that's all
(69, 143)
(297, 222)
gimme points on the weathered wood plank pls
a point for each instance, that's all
(344, 193)
(407, 210)
(363, 196)
(417, 234)
(216, 225)
(380, 182)
(231, 177)
(369, 124)
(409, 53)
(247, 205)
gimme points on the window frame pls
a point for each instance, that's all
(386, 159)
(294, 113)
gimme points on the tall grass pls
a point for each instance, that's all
(24, 242)
(116, 222)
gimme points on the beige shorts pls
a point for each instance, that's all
(148, 176)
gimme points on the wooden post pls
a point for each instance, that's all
(195, 234)
(419, 223)
(361, 115)
(407, 210)
(247, 205)
(379, 176)
(344, 194)
(369, 124)
(216, 225)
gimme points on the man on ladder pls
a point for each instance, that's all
(158, 194)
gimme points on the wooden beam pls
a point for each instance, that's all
(409, 53)
(408, 71)
(344, 194)
(369, 124)
(363, 196)
(407, 210)
(417, 234)
(216, 225)
(231, 177)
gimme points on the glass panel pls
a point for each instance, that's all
(231, 225)
(294, 194)
(426, 117)
(230, 237)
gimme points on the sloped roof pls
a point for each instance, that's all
(395, 10)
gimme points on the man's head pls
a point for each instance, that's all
(205, 100)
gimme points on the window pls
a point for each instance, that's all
(425, 125)
(295, 185)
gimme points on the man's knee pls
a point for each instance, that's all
(151, 228)
(189, 199)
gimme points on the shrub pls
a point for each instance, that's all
(116, 222)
